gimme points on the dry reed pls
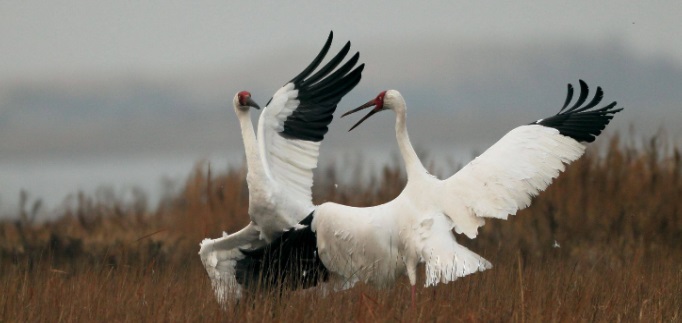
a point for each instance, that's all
(603, 243)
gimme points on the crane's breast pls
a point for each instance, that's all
(353, 243)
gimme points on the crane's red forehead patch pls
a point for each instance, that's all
(242, 96)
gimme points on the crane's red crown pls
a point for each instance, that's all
(243, 96)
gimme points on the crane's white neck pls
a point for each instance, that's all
(412, 163)
(250, 142)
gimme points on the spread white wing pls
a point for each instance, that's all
(294, 122)
(220, 256)
(522, 163)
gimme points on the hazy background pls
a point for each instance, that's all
(125, 94)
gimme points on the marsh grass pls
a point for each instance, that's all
(603, 243)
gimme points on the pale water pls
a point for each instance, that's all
(53, 180)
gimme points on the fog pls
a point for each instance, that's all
(125, 95)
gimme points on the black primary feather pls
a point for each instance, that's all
(320, 93)
(290, 261)
(582, 123)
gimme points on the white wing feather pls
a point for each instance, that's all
(445, 259)
(220, 256)
(288, 162)
(505, 177)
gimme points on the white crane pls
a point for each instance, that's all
(281, 160)
(378, 244)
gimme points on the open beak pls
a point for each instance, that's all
(251, 103)
(371, 103)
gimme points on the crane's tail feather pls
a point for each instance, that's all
(446, 264)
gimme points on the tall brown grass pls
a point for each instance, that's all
(603, 243)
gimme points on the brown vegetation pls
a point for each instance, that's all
(616, 214)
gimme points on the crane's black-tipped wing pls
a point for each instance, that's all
(316, 61)
(582, 123)
(505, 178)
(297, 117)
(318, 96)
(290, 261)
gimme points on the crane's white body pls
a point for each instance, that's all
(378, 244)
(281, 161)
(276, 203)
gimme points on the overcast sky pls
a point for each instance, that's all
(122, 78)
(74, 39)
(442, 51)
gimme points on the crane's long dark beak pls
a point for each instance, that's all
(250, 102)
(371, 103)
